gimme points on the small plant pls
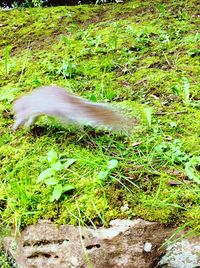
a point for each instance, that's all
(87, 38)
(50, 176)
(191, 169)
(172, 152)
(112, 164)
(67, 69)
(28, 3)
(142, 37)
(92, 43)
(183, 91)
(165, 38)
(37, 3)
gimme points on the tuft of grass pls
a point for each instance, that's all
(7, 59)
(6, 261)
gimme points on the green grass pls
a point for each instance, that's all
(142, 57)
(7, 262)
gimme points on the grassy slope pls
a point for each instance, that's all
(138, 55)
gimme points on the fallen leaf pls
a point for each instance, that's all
(173, 183)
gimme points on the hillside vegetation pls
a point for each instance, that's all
(141, 56)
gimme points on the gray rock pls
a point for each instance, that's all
(182, 254)
(126, 244)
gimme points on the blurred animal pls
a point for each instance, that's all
(57, 102)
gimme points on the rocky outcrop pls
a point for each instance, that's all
(126, 244)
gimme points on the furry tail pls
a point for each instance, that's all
(57, 102)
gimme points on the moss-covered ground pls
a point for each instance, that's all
(143, 57)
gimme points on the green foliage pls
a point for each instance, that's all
(191, 169)
(50, 176)
(171, 152)
(68, 69)
(183, 91)
(6, 261)
(37, 3)
(104, 174)
(28, 3)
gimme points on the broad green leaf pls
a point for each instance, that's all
(51, 181)
(52, 156)
(47, 173)
(190, 169)
(112, 163)
(57, 166)
(67, 188)
(191, 174)
(57, 192)
(148, 113)
(195, 161)
(103, 174)
(69, 162)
